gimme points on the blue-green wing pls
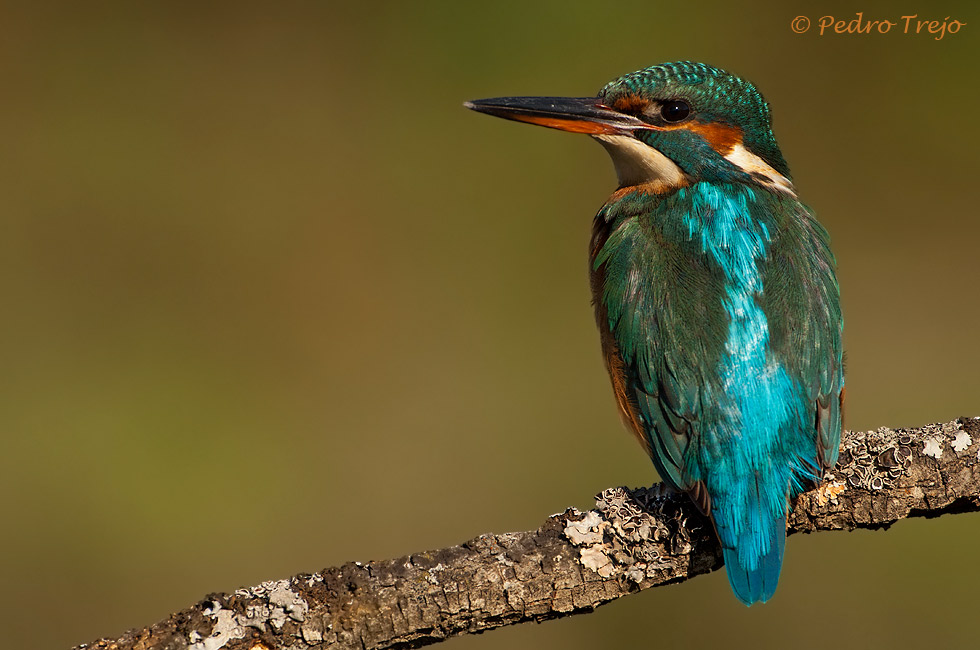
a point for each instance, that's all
(659, 304)
(802, 303)
(659, 309)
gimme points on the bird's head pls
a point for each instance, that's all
(667, 126)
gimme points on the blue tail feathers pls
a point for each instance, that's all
(758, 582)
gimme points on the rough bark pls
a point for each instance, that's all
(576, 561)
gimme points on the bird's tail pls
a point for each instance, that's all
(754, 555)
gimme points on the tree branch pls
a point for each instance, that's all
(631, 541)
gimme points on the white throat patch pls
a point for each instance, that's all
(640, 164)
(757, 167)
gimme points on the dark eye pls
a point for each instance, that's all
(674, 110)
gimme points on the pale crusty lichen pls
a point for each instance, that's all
(633, 533)
(932, 447)
(273, 603)
(871, 460)
(226, 628)
(961, 442)
(595, 557)
(587, 530)
(829, 491)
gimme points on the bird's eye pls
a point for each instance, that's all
(674, 110)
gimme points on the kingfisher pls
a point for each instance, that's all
(716, 298)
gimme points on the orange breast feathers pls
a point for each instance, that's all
(617, 375)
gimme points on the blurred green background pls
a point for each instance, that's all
(273, 300)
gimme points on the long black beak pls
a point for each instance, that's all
(575, 114)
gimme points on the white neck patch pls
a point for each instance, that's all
(752, 164)
(640, 164)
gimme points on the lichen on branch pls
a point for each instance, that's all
(632, 540)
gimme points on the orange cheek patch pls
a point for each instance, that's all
(721, 137)
(573, 126)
